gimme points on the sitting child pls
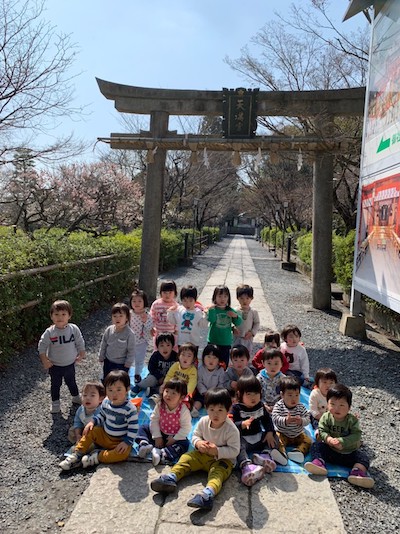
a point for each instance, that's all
(270, 377)
(340, 436)
(240, 367)
(185, 368)
(92, 395)
(290, 417)
(159, 364)
(256, 431)
(209, 375)
(114, 428)
(296, 354)
(217, 443)
(324, 379)
(170, 424)
(272, 340)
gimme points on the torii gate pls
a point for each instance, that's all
(322, 106)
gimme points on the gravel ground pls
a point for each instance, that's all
(35, 497)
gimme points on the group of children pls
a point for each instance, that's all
(254, 415)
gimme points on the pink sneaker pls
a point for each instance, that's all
(265, 460)
(360, 478)
(316, 467)
(251, 474)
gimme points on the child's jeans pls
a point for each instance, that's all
(247, 448)
(302, 442)
(296, 374)
(173, 452)
(108, 366)
(98, 436)
(140, 356)
(149, 382)
(57, 373)
(328, 454)
(218, 470)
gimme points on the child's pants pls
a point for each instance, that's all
(98, 436)
(140, 356)
(328, 454)
(172, 451)
(302, 442)
(57, 373)
(149, 382)
(108, 366)
(247, 448)
(218, 470)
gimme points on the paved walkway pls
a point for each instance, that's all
(119, 498)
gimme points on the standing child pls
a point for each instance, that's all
(222, 318)
(114, 428)
(244, 333)
(272, 340)
(217, 443)
(185, 368)
(340, 435)
(159, 308)
(188, 318)
(141, 324)
(240, 367)
(117, 348)
(209, 375)
(159, 364)
(256, 431)
(270, 377)
(290, 417)
(60, 347)
(324, 379)
(170, 424)
(92, 395)
(295, 353)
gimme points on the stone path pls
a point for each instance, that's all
(119, 498)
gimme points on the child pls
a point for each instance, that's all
(272, 340)
(290, 417)
(256, 430)
(221, 318)
(340, 436)
(240, 360)
(117, 348)
(209, 375)
(324, 379)
(188, 318)
(60, 347)
(170, 424)
(158, 310)
(141, 324)
(114, 428)
(270, 377)
(217, 443)
(159, 364)
(185, 368)
(92, 395)
(295, 354)
(244, 333)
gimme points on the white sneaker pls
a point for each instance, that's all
(70, 462)
(278, 456)
(156, 456)
(76, 399)
(144, 449)
(296, 456)
(55, 407)
(90, 460)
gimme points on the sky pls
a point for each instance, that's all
(178, 44)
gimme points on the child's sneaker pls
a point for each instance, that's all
(155, 398)
(137, 379)
(144, 449)
(200, 501)
(90, 460)
(157, 455)
(360, 478)
(265, 460)
(279, 457)
(76, 399)
(316, 467)
(296, 456)
(251, 474)
(70, 462)
(163, 484)
(55, 407)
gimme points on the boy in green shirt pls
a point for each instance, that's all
(340, 436)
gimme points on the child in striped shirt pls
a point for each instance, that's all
(290, 417)
(114, 428)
